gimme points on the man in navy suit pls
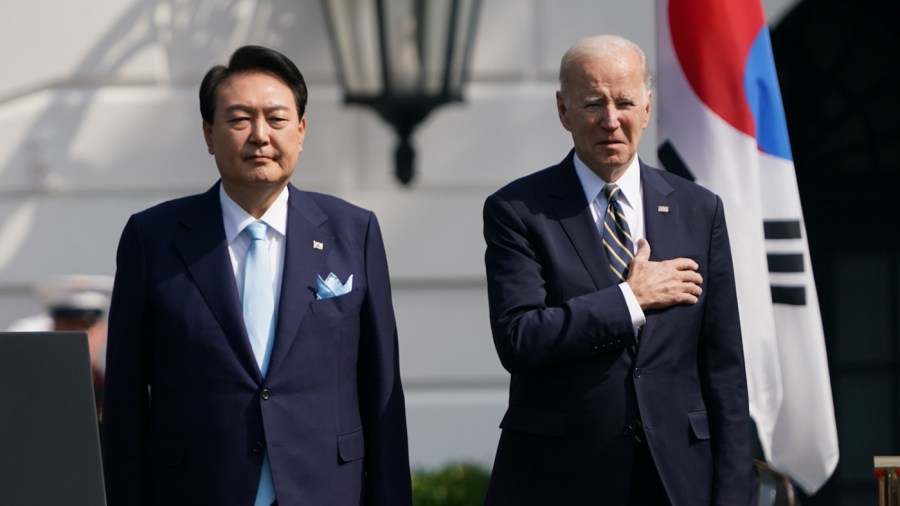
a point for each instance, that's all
(627, 385)
(193, 415)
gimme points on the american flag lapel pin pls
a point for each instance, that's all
(318, 245)
(662, 209)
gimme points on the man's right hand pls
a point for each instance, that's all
(658, 285)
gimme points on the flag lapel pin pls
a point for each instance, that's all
(663, 209)
(318, 245)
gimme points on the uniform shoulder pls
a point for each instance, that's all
(525, 186)
(339, 213)
(334, 205)
(683, 185)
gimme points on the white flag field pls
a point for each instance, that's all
(721, 122)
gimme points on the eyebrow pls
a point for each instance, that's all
(249, 109)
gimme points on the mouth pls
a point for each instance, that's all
(609, 142)
(258, 158)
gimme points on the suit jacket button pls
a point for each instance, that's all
(628, 430)
(257, 448)
(266, 393)
(637, 373)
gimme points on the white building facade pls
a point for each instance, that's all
(99, 119)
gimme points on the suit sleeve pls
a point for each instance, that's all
(723, 376)
(381, 393)
(528, 331)
(126, 402)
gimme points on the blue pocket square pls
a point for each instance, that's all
(332, 286)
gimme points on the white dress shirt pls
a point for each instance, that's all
(632, 201)
(235, 219)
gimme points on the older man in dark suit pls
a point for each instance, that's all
(628, 382)
(252, 353)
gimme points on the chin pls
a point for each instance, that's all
(264, 173)
(616, 160)
(267, 182)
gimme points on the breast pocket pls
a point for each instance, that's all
(341, 305)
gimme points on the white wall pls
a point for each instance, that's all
(99, 119)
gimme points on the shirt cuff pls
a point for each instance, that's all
(634, 308)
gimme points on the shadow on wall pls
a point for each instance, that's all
(183, 39)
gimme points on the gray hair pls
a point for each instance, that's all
(600, 46)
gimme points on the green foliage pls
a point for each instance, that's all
(456, 484)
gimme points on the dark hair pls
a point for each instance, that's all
(251, 59)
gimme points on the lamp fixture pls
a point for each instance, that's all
(402, 58)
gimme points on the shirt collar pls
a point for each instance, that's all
(629, 184)
(235, 218)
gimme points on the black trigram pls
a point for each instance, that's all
(672, 161)
(774, 230)
(788, 230)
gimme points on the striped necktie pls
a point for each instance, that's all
(616, 237)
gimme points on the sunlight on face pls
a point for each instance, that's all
(256, 135)
(606, 106)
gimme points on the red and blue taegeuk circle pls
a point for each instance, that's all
(725, 52)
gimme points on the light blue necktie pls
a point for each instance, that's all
(259, 317)
(259, 296)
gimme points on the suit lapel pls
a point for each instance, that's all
(574, 214)
(660, 217)
(302, 263)
(205, 252)
(660, 212)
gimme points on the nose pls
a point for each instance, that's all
(259, 132)
(609, 118)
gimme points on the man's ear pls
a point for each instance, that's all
(649, 108)
(301, 127)
(562, 110)
(207, 134)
